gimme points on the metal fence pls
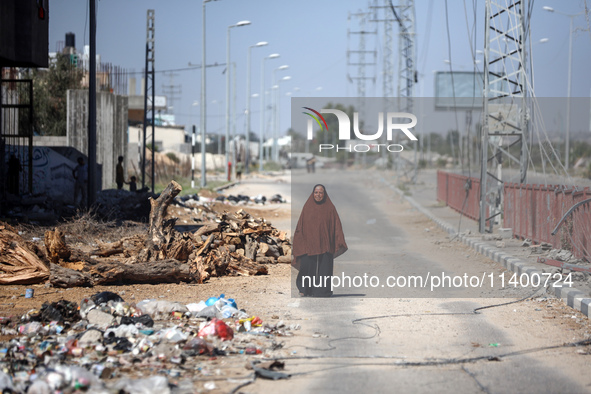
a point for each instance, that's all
(559, 215)
(16, 137)
(459, 192)
(555, 214)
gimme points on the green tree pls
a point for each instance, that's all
(49, 94)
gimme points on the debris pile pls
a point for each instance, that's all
(240, 199)
(223, 244)
(123, 205)
(105, 344)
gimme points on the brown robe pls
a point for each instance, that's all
(317, 240)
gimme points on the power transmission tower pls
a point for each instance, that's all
(150, 76)
(506, 113)
(383, 14)
(171, 91)
(404, 13)
(361, 57)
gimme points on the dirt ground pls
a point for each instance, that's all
(261, 296)
(269, 296)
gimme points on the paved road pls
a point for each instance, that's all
(418, 346)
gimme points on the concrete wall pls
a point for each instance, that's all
(167, 138)
(50, 140)
(52, 171)
(111, 130)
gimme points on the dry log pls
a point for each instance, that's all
(284, 259)
(19, 262)
(250, 248)
(106, 250)
(286, 249)
(245, 267)
(265, 260)
(263, 247)
(55, 244)
(65, 277)
(164, 271)
(206, 229)
(115, 272)
(205, 245)
(158, 230)
(204, 267)
(180, 246)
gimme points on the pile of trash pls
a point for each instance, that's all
(194, 200)
(155, 346)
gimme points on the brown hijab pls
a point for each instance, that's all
(319, 229)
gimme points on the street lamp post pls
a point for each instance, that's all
(568, 89)
(275, 126)
(203, 94)
(227, 143)
(193, 140)
(247, 131)
(262, 114)
(278, 109)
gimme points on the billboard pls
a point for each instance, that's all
(458, 89)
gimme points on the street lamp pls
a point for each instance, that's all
(275, 126)
(570, 62)
(262, 114)
(203, 102)
(278, 111)
(227, 143)
(247, 131)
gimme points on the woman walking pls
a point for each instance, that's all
(317, 241)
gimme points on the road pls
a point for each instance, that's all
(378, 339)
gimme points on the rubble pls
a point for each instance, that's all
(221, 244)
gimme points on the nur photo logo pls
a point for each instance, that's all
(391, 124)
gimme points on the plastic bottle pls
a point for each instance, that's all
(229, 311)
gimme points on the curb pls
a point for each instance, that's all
(218, 189)
(573, 297)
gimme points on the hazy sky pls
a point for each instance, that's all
(311, 37)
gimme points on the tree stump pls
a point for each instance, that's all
(19, 262)
(155, 248)
(55, 244)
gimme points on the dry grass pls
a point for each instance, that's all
(86, 228)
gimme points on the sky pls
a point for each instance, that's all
(311, 38)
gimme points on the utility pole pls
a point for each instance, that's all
(404, 14)
(171, 91)
(506, 111)
(387, 19)
(92, 110)
(149, 76)
(361, 57)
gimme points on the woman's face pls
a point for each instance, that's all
(318, 193)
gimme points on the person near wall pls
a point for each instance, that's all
(12, 175)
(119, 176)
(317, 241)
(133, 184)
(80, 174)
(239, 169)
